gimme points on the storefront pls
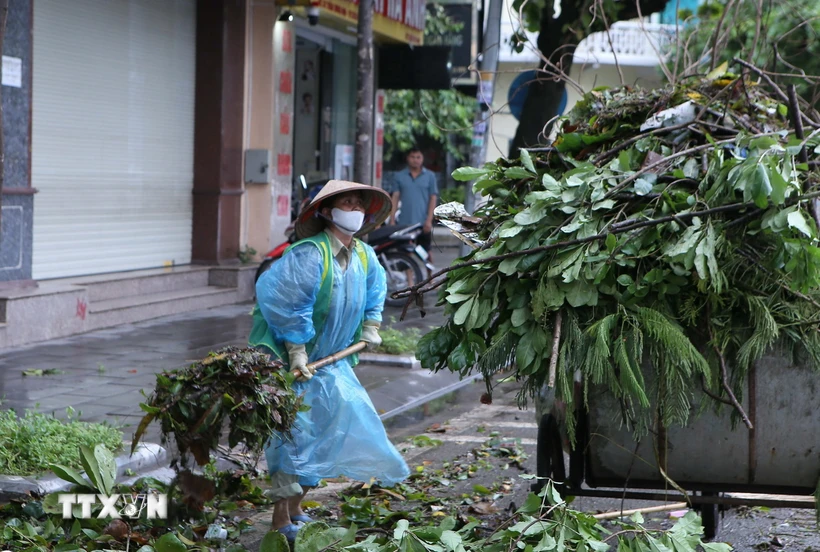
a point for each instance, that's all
(312, 101)
(112, 135)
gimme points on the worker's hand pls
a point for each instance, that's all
(428, 226)
(370, 335)
(298, 365)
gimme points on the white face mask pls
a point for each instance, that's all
(348, 222)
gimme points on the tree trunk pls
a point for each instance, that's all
(363, 153)
(541, 105)
(4, 12)
(557, 40)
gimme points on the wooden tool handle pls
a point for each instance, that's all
(361, 345)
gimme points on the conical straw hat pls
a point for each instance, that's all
(376, 201)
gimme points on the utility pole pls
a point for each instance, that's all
(488, 66)
(363, 151)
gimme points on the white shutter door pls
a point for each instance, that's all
(112, 135)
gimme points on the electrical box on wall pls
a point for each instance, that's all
(257, 166)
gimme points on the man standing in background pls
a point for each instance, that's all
(417, 190)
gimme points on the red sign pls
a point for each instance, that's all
(378, 169)
(286, 82)
(380, 104)
(287, 41)
(283, 164)
(284, 123)
(282, 205)
(380, 137)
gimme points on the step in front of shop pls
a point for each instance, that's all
(105, 287)
(60, 308)
(135, 308)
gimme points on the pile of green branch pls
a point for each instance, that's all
(687, 247)
(241, 385)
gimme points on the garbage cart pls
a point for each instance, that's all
(716, 460)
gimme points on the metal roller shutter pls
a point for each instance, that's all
(112, 135)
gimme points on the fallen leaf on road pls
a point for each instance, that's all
(391, 493)
(132, 371)
(483, 508)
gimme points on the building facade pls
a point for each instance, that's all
(632, 58)
(158, 134)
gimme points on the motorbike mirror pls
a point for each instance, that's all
(303, 181)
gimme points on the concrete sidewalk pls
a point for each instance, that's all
(102, 374)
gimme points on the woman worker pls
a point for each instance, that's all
(325, 294)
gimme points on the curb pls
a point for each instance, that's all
(424, 399)
(380, 359)
(148, 456)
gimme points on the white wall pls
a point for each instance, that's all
(503, 124)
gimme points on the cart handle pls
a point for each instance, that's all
(361, 345)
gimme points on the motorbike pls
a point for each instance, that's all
(401, 257)
(396, 250)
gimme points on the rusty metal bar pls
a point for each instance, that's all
(696, 499)
(753, 417)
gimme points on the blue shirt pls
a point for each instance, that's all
(415, 195)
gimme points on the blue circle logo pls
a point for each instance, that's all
(519, 89)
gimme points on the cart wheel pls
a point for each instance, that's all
(709, 514)
(549, 453)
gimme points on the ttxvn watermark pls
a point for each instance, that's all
(116, 506)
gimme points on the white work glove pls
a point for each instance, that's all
(298, 360)
(370, 334)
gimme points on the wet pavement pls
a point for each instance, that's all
(102, 375)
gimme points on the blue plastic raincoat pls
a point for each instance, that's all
(341, 433)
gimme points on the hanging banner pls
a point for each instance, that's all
(378, 143)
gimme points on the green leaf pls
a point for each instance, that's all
(273, 541)
(92, 469)
(317, 536)
(520, 316)
(644, 185)
(779, 185)
(481, 489)
(455, 298)
(530, 215)
(580, 293)
(516, 173)
(526, 160)
(465, 174)
(761, 186)
(798, 221)
(68, 474)
(531, 505)
(625, 280)
(691, 169)
(604, 204)
(462, 312)
(510, 232)
(570, 142)
(625, 161)
(611, 243)
(715, 547)
(550, 183)
(401, 528)
(718, 72)
(451, 540)
(169, 542)
(509, 266)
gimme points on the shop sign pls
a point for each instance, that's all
(463, 43)
(399, 20)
